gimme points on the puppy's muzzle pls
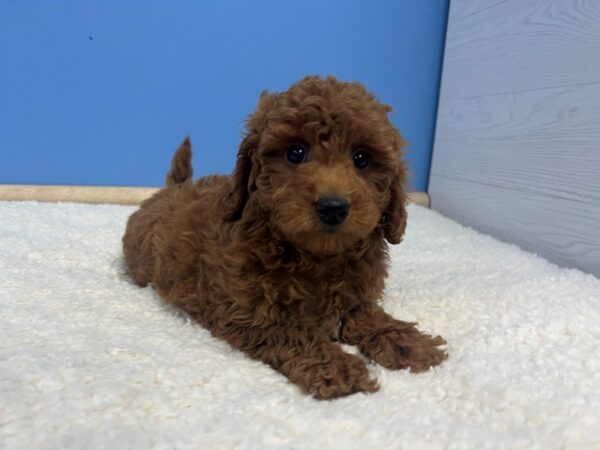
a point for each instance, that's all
(332, 211)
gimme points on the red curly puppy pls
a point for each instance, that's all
(289, 254)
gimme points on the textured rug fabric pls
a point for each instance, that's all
(89, 360)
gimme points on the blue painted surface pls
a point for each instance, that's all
(102, 92)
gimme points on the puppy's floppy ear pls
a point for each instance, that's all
(240, 179)
(394, 217)
(393, 220)
(244, 175)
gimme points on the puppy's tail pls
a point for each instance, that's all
(181, 165)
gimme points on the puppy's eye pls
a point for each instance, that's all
(297, 154)
(361, 159)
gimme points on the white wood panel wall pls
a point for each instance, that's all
(517, 146)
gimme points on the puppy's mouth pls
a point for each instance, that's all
(331, 229)
(325, 239)
(328, 226)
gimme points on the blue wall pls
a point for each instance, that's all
(102, 92)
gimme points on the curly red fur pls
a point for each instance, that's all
(248, 258)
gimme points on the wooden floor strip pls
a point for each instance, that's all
(106, 194)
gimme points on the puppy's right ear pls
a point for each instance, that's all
(240, 179)
(244, 174)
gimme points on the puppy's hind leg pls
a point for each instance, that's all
(153, 219)
(181, 165)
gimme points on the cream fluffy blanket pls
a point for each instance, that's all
(88, 360)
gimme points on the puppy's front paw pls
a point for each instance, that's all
(342, 376)
(404, 347)
(338, 375)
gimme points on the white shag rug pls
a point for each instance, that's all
(89, 360)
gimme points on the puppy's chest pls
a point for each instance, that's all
(324, 289)
(317, 300)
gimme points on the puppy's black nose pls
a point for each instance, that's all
(332, 210)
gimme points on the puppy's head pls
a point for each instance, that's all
(324, 163)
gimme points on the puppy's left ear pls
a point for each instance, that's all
(394, 217)
(393, 220)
